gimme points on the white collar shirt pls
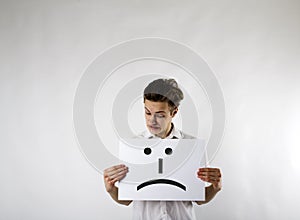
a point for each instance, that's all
(175, 134)
(164, 210)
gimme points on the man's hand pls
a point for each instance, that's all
(211, 175)
(112, 175)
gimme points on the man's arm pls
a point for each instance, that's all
(213, 176)
(111, 176)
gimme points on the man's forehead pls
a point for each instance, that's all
(156, 106)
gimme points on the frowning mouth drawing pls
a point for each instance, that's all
(161, 181)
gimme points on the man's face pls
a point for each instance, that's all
(158, 117)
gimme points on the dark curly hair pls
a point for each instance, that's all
(164, 90)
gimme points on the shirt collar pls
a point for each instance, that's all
(175, 133)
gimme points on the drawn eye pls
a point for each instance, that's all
(147, 150)
(168, 151)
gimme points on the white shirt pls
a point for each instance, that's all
(164, 210)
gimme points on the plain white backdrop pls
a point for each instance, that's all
(252, 46)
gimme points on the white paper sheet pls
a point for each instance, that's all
(173, 178)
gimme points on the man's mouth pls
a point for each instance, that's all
(161, 181)
(153, 127)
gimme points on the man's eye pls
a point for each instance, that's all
(147, 113)
(160, 116)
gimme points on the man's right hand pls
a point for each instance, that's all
(112, 175)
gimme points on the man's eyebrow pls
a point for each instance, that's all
(155, 112)
(160, 112)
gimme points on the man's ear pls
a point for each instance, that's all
(174, 112)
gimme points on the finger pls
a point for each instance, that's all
(114, 170)
(209, 174)
(216, 172)
(210, 179)
(110, 169)
(209, 169)
(120, 172)
(117, 178)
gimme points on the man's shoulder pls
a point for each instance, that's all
(144, 134)
(186, 136)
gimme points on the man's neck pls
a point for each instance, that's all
(168, 131)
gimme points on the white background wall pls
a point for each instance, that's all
(252, 46)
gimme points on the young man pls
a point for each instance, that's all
(161, 101)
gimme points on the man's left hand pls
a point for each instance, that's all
(211, 175)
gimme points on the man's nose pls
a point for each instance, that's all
(153, 118)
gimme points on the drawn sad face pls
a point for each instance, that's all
(168, 151)
(167, 166)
